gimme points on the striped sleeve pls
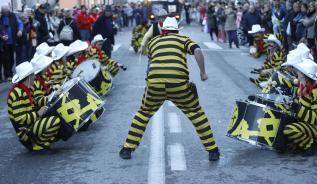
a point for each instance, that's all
(307, 111)
(190, 46)
(38, 94)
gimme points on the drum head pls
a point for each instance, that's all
(87, 70)
(274, 97)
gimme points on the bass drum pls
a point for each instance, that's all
(258, 125)
(76, 105)
(96, 75)
(281, 81)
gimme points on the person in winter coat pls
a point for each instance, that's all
(231, 26)
(298, 21)
(104, 26)
(288, 24)
(251, 18)
(68, 20)
(309, 24)
(84, 23)
(212, 22)
(43, 34)
(221, 22)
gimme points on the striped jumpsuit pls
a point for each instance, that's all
(34, 132)
(168, 80)
(39, 92)
(95, 53)
(58, 73)
(303, 133)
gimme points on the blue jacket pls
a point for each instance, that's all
(11, 25)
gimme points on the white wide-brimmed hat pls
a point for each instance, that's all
(40, 63)
(98, 38)
(43, 49)
(293, 58)
(273, 38)
(308, 67)
(256, 29)
(59, 51)
(23, 70)
(77, 46)
(170, 23)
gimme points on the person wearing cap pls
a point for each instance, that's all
(168, 79)
(57, 70)
(104, 26)
(154, 30)
(302, 134)
(258, 47)
(137, 35)
(275, 58)
(35, 131)
(95, 51)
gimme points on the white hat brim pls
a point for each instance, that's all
(16, 78)
(172, 28)
(82, 47)
(259, 31)
(61, 55)
(95, 41)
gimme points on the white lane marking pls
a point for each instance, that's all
(116, 47)
(212, 45)
(177, 157)
(156, 173)
(174, 123)
(171, 104)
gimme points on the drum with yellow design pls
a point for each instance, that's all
(77, 103)
(258, 125)
(96, 75)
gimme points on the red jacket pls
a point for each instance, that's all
(84, 21)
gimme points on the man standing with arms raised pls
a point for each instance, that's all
(168, 79)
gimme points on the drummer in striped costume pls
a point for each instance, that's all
(57, 70)
(95, 52)
(34, 131)
(275, 58)
(258, 47)
(76, 49)
(168, 80)
(303, 132)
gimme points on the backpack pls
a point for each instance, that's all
(67, 33)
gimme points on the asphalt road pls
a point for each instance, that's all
(170, 151)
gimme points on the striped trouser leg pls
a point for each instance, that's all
(261, 78)
(153, 98)
(185, 98)
(303, 135)
(113, 68)
(46, 130)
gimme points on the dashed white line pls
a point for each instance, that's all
(213, 45)
(177, 157)
(174, 123)
(156, 173)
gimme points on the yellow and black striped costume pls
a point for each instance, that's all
(39, 94)
(273, 61)
(111, 65)
(303, 133)
(260, 45)
(168, 80)
(137, 36)
(58, 73)
(34, 132)
(71, 64)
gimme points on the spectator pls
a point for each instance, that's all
(278, 15)
(104, 26)
(3, 38)
(309, 24)
(251, 18)
(202, 12)
(137, 14)
(53, 22)
(129, 11)
(68, 21)
(212, 22)
(231, 26)
(298, 21)
(13, 29)
(266, 18)
(22, 42)
(290, 26)
(43, 34)
(221, 19)
(94, 14)
(84, 23)
(187, 12)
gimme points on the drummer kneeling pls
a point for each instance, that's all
(34, 131)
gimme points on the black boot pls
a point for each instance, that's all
(214, 155)
(125, 153)
(310, 151)
(252, 80)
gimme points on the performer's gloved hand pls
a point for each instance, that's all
(42, 111)
(203, 76)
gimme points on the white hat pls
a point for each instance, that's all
(256, 28)
(77, 46)
(98, 38)
(40, 63)
(293, 58)
(170, 23)
(308, 67)
(273, 38)
(59, 51)
(23, 70)
(43, 49)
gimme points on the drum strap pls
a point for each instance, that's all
(43, 84)
(25, 89)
